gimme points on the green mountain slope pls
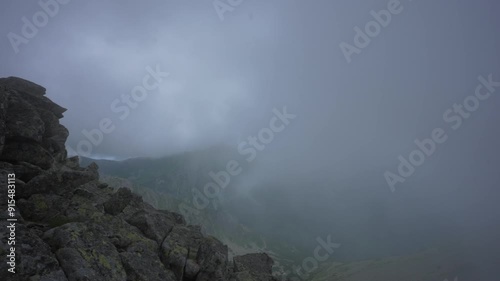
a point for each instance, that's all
(167, 183)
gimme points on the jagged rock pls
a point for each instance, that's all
(34, 257)
(58, 181)
(254, 263)
(32, 153)
(84, 254)
(213, 260)
(120, 199)
(253, 267)
(73, 162)
(25, 171)
(23, 120)
(191, 269)
(72, 227)
(33, 93)
(155, 226)
(179, 245)
(3, 116)
(141, 263)
(23, 86)
(39, 207)
(29, 123)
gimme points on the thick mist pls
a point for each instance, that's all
(359, 103)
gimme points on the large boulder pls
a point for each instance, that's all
(253, 267)
(29, 125)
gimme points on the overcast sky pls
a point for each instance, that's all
(227, 75)
(228, 72)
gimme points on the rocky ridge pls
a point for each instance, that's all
(70, 226)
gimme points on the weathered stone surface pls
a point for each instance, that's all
(261, 263)
(29, 124)
(72, 227)
(191, 269)
(23, 85)
(212, 257)
(253, 267)
(30, 152)
(26, 171)
(34, 257)
(154, 225)
(23, 120)
(58, 181)
(181, 244)
(33, 93)
(138, 267)
(3, 116)
(119, 200)
(84, 253)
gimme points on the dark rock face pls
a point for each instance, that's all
(29, 126)
(257, 266)
(72, 227)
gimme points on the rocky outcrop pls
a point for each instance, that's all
(254, 267)
(72, 227)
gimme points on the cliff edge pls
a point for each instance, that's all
(66, 225)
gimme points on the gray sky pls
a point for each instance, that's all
(226, 76)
